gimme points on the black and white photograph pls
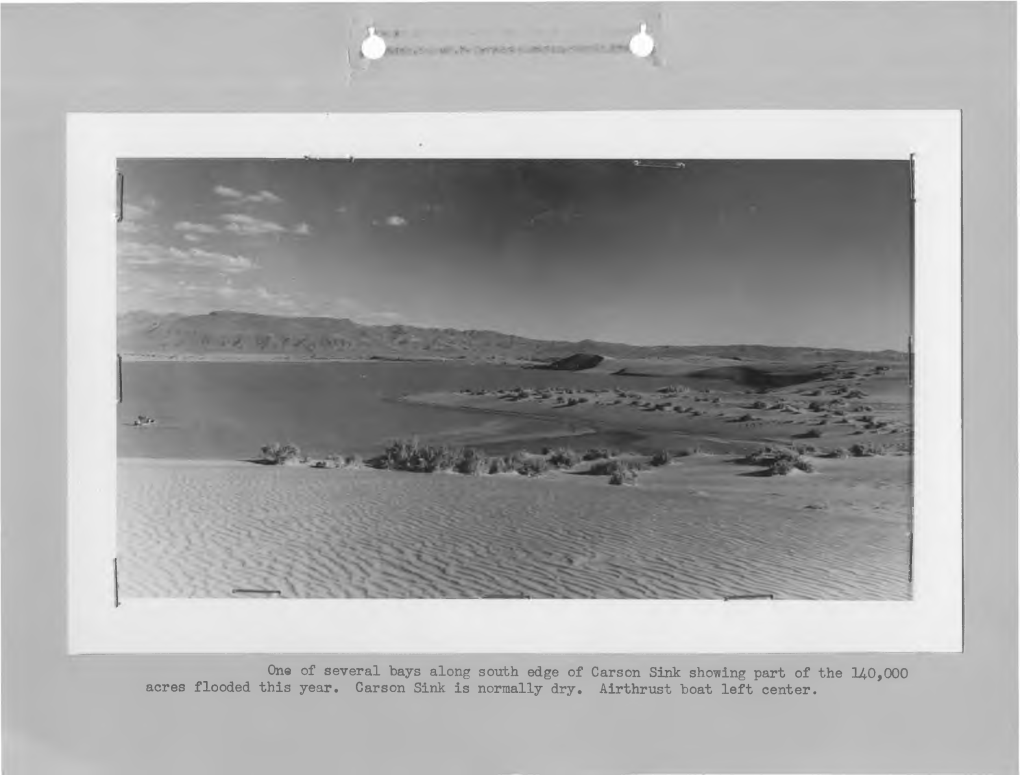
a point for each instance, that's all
(598, 382)
(603, 378)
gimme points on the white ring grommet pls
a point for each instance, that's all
(642, 44)
(373, 47)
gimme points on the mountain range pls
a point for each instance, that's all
(241, 333)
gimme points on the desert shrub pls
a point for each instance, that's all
(688, 451)
(780, 467)
(412, 455)
(816, 406)
(661, 457)
(623, 476)
(399, 454)
(787, 462)
(471, 462)
(812, 433)
(353, 461)
(610, 467)
(281, 454)
(502, 465)
(759, 405)
(597, 453)
(564, 457)
(767, 455)
(866, 449)
(332, 461)
(533, 466)
(838, 452)
(746, 418)
(603, 467)
(805, 449)
(439, 458)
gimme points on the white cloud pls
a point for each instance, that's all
(229, 193)
(142, 254)
(199, 228)
(381, 318)
(259, 197)
(396, 220)
(130, 227)
(257, 299)
(135, 214)
(193, 237)
(240, 223)
(161, 292)
(264, 196)
(224, 262)
(168, 293)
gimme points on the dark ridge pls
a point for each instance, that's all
(754, 377)
(575, 362)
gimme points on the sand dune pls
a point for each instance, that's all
(207, 528)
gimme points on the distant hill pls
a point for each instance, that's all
(575, 362)
(240, 333)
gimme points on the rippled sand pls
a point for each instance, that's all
(699, 529)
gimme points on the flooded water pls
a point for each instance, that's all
(229, 410)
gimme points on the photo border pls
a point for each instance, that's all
(931, 622)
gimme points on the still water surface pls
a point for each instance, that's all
(229, 410)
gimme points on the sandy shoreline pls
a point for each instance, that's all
(699, 529)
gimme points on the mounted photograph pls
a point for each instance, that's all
(681, 380)
(596, 378)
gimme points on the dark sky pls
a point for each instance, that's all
(771, 252)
